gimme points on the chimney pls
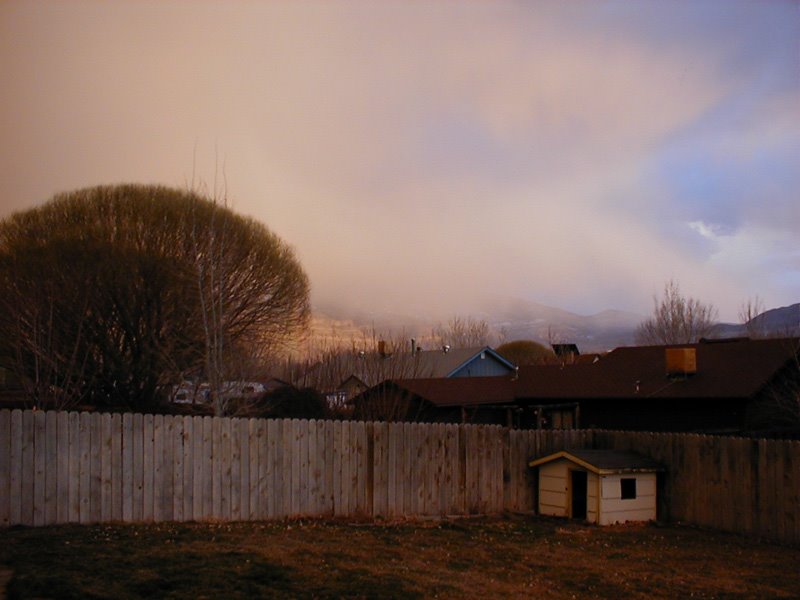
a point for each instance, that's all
(382, 348)
(681, 362)
(413, 346)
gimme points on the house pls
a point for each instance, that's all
(343, 376)
(484, 400)
(714, 386)
(598, 486)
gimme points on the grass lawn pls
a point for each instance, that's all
(475, 558)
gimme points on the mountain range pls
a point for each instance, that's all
(513, 319)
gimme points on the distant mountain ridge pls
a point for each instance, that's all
(514, 318)
(783, 321)
(508, 318)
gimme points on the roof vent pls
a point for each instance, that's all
(681, 362)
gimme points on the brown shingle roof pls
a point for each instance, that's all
(461, 391)
(725, 370)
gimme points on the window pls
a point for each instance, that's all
(627, 488)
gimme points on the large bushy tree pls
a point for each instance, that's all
(111, 294)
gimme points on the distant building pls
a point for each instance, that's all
(715, 386)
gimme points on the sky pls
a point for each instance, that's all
(430, 156)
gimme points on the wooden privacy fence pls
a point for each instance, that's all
(59, 467)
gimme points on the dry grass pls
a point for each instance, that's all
(475, 558)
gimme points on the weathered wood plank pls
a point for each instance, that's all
(188, 468)
(15, 469)
(313, 469)
(328, 504)
(226, 470)
(117, 476)
(39, 463)
(176, 446)
(159, 487)
(216, 468)
(127, 467)
(348, 469)
(359, 482)
(148, 464)
(380, 470)
(251, 483)
(236, 469)
(291, 458)
(172, 450)
(283, 470)
(138, 467)
(302, 433)
(267, 486)
(84, 468)
(95, 468)
(28, 473)
(106, 474)
(338, 466)
(198, 467)
(208, 468)
(421, 465)
(5, 467)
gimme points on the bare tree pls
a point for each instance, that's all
(748, 316)
(341, 369)
(165, 271)
(676, 319)
(462, 332)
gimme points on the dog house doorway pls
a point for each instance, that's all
(579, 489)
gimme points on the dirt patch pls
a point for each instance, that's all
(467, 558)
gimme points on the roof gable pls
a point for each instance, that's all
(441, 363)
(603, 462)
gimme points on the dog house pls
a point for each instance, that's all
(598, 486)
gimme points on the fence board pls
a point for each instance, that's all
(326, 446)
(175, 443)
(159, 487)
(302, 434)
(117, 477)
(106, 479)
(5, 467)
(313, 470)
(260, 483)
(148, 462)
(95, 468)
(406, 485)
(198, 462)
(137, 433)
(188, 470)
(39, 461)
(358, 468)
(15, 469)
(73, 476)
(236, 469)
(28, 449)
(253, 444)
(208, 468)
(216, 468)
(84, 440)
(272, 463)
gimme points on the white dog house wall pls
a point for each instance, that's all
(598, 486)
